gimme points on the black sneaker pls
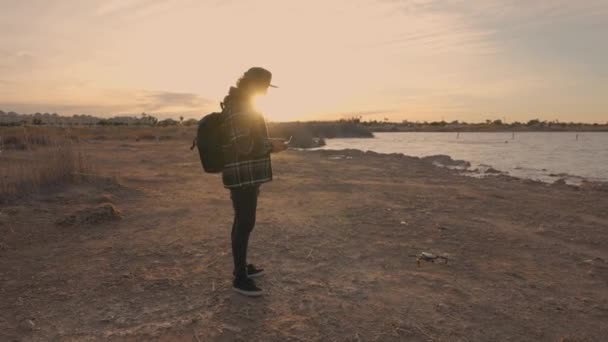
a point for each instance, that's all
(246, 287)
(253, 272)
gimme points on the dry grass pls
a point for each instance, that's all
(12, 137)
(137, 133)
(33, 158)
(26, 138)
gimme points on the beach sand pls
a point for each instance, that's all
(140, 251)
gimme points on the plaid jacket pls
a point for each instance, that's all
(246, 148)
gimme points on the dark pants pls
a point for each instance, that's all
(244, 202)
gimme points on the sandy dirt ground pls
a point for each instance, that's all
(140, 251)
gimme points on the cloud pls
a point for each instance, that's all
(63, 109)
(133, 8)
(115, 6)
(118, 102)
(486, 26)
(168, 101)
(16, 60)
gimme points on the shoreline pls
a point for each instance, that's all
(456, 130)
(462, 168)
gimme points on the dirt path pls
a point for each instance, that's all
(527, 262)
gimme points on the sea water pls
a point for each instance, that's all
(544, 156)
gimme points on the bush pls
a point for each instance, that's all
(25, 138)
(167, 122)
(190, 122)
(30, 161)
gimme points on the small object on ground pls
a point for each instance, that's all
(27, 324)
(426, 256)
(594, 261)
(246, 286)
(232, 328)
(404, 223)
(253, 272)
(309, 254)
(339, 157)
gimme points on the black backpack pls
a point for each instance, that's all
(209, 142)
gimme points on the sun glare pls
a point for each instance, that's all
(277, 108)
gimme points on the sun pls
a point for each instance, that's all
(275, 108)
(303, 100)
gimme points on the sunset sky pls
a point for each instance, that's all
(409, 59)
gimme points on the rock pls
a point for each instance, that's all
(120, 321)
(529, 181)
(105, 198)
(446, 161)
(91, 216)
(559, 182)
(232, 328)
(27, 325)
(597, 186)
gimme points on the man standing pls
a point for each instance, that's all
(246, 150)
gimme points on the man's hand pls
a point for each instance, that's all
(278, 144)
